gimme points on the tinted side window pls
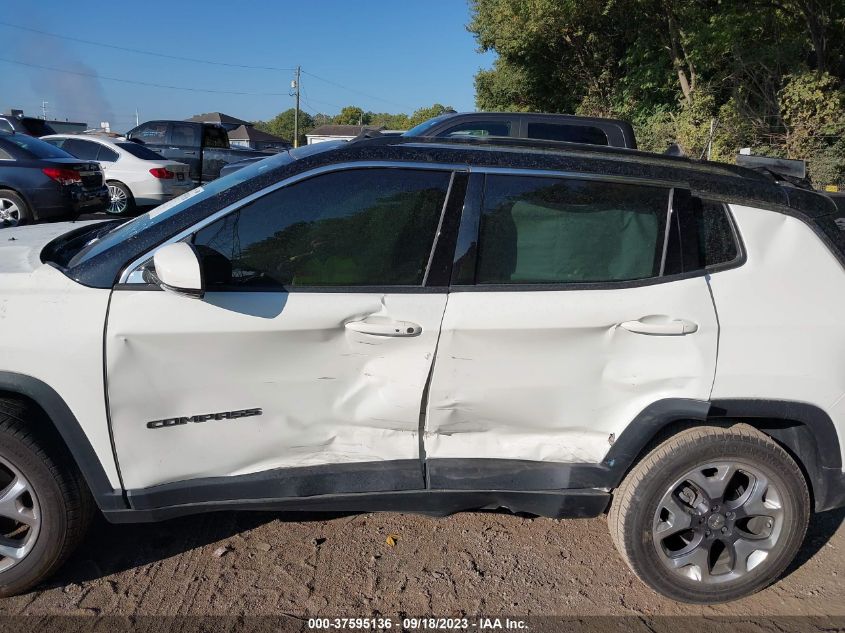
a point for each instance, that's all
(6, 126)
(86, 150)
(153, 133)
(216, 137)
(185, 135)
(107, 154)
(716, 241)
(568, 133)
(479, 128)
(557, 230)
(365, 227)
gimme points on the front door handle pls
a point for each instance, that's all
(384, 327)
(660, 326)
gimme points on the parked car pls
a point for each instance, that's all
(495, 125)
(135, 175)
(24, 125)
(40, 182)
(315, 363)
(203, 146)
(550, 127)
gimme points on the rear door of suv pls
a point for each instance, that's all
(568, 316)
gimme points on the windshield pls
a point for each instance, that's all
(177, 205)
(36, 147)
(422, 128)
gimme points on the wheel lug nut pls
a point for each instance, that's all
(730, 515)
(707, 533)
(724, 530)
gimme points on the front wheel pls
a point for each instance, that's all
(44, 505)
(711, 515)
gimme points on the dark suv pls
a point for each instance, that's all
(25, 125)
(549, 127)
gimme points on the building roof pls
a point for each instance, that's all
(342, 130)
(218, 117)
(249, 133)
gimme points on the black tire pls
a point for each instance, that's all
(64, 504)
(24, 214)
(127, 196)
(654, 543)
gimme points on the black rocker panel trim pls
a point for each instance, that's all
(305, 481)
(558, 504)
(71, 432)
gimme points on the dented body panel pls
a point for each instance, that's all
(781, 317)
(551, 375)
(328, 394)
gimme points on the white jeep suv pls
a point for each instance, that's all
(433, 326)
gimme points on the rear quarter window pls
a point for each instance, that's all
(586, 134)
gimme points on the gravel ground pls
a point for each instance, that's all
(262, 563)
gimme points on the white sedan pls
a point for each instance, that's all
(136, 176)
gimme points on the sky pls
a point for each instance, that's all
(381, 55)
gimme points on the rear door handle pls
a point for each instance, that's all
(662, 327)
(384, 327)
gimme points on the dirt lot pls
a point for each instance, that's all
(485, 563)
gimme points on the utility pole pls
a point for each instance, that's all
(295, 85)
(44, 110)
(137, 121)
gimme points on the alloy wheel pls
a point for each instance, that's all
(718, 522)
(20, 516)
(10, 213)
(119, 201)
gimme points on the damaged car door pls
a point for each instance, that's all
(565, 321)
(310, 348)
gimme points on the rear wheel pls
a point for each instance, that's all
(121, 201)
(13, 209)
(711, 515)
(45, 507)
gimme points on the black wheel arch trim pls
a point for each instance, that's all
(69, 429)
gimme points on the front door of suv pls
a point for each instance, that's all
(311, 347)
(563, 324)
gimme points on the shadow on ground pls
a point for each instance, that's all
(110, 549)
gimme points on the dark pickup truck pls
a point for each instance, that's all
(203, 146)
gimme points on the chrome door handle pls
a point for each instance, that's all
(671, 327)
(384, 327)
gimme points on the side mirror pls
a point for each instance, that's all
(178, 270)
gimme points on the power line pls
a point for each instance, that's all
(363, 94)
(140, 51)
(145, 83)
(196, 61)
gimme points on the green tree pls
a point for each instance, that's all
(424, 114)
(283, 125)
(352, 115)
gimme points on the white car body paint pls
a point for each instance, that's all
(51, 328)
(328, 393)
(550, 375)
(781, 317)
(134, 172)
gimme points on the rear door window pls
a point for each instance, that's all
(183, 135)
(139, 151)
(86, 150)
(479, 128)
(216, 137)
(537, 230)
(568, 133)
(107, 155)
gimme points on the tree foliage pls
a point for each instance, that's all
(766, 73)
(283, 125)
